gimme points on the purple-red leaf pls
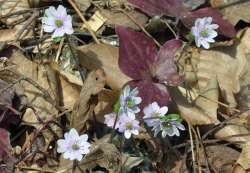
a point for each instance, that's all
(160, 7)
(137, 53)
(225, 27)
(4, 144)
(165, 68)
(151, 92)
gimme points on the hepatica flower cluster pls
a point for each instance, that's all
(125, 112)
(144, 97)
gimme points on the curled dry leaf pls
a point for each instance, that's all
(128, 162)
(220, 157)
(97, 56)
(204, 109)
(84, 106)
(233, 10)
(244, 159)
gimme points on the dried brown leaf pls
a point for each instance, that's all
(233, 10)
(96, 56)
(7, 34)
(204, 109)
(118, 18)
(85, 104)
(244, 159)
(220, 157)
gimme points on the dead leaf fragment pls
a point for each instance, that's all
(118, 18)
(222, 158)
(83, 107)
(233, 10)
(244, 159)
(96, 56)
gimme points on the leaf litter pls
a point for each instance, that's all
(49, 86)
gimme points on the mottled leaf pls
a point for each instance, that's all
(165, 68)
(151, 92)
(225, 27)
(137, 52)
(160, 7)
(4, 144)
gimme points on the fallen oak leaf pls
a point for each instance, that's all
(103, 56)
(83, 107)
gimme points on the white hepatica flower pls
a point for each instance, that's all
(129, 101)
(204, 32)
(128, 125)
(169, 128)
(57, 21)
(110, 120)
(153, 112)
(73, 146)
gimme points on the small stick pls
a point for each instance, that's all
(84, 21)
(59, 49)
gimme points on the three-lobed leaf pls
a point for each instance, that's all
(149, 69)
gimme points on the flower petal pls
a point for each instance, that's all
(127, 134)
(61, 12)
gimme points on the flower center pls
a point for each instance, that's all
(166, 125)
(75, 147)
(130, 103)
(204, 33)
(155, 114)
(129, 126)
(59, 23)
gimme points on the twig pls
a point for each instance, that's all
(59, 49)
(15, 13)
(29, 21)
(192, 146)
(171, 29)
(84, 21)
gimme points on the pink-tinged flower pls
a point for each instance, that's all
(129, 101)
(73, 146)
(153, 112)
(204, 32)
(128, 125)
(57, 21)
(149, 69)
(110, 120)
